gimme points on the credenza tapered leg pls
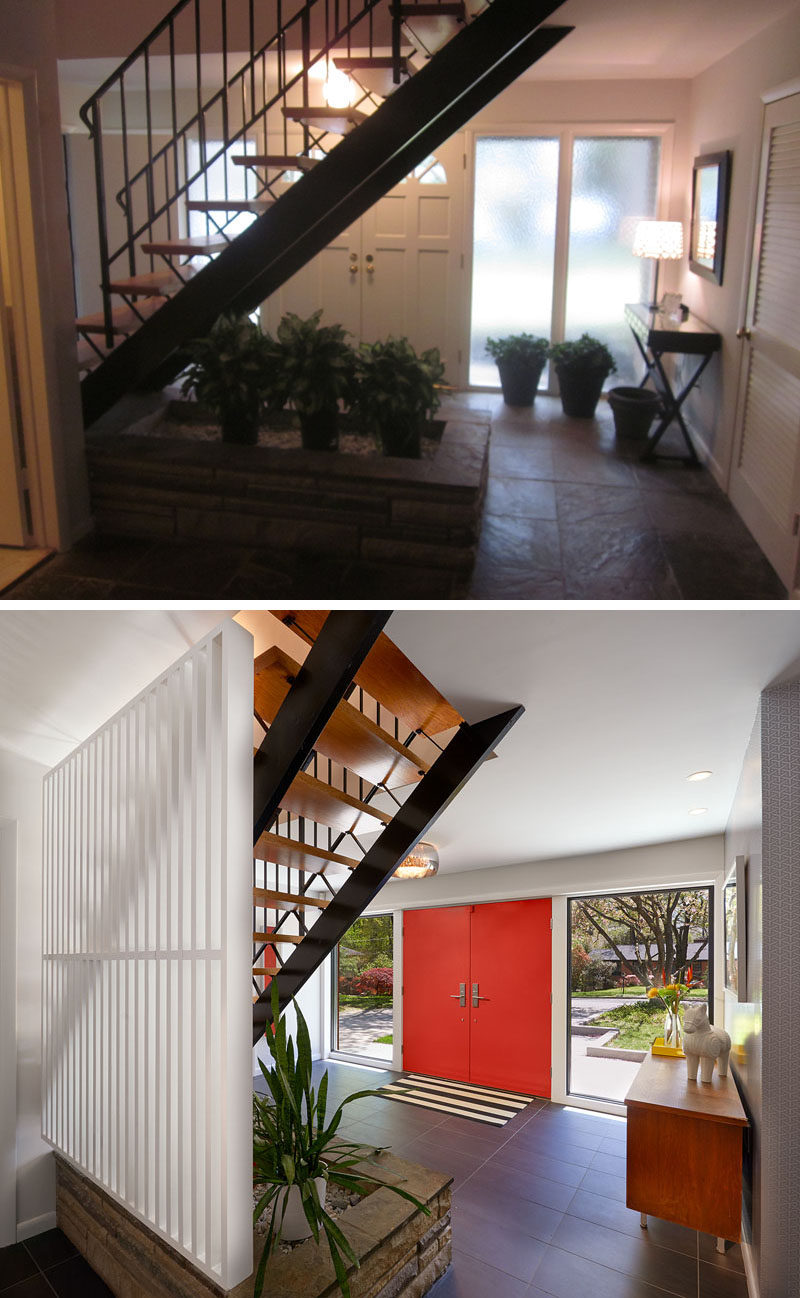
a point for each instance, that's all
(720, 1244)
(643, 1220)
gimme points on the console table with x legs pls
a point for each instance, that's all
(657, 335)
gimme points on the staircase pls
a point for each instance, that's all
(173, 254)
(357, 743)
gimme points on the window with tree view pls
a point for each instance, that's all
(632, 955)
(363, 998)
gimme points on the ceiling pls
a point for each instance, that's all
(613, 39)
(620, 707)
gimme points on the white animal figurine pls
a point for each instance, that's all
(703, 1043)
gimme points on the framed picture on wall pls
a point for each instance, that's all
(710, 189)
(735, 913)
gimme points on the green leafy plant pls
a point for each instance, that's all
(587, 354)
(314, 362)
(518, 350)
(397, 390)
(229, 373)
(292, 1145)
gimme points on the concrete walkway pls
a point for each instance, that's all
(359, 1028)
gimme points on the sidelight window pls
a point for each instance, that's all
(363, 989)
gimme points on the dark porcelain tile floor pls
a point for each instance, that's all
(539, 1206)
(569, 514)
(48, 1264)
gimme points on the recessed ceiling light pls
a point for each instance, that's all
(697, 811)
(699, 775)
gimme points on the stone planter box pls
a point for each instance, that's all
(377, 509)
(401, 1251)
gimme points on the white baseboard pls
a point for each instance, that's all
(35, 1226)
(750, 1270)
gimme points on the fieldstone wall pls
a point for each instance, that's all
(421, 513)
(401, 1250)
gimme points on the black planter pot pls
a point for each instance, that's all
(580, 391)
(320, 430)
(402, 437)
(634, 411)
(241, 428)
(519, 382)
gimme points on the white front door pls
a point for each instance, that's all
(765, 482)
(398, 270)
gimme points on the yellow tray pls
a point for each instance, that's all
(658, 1048)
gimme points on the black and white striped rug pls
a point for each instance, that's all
(479, 1103)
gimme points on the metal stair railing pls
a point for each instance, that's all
(275, 70)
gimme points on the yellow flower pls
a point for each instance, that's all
(651, 992)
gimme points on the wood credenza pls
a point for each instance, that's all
(684, 1159)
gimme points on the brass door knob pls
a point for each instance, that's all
(353, 269)
(371, 269)
(744, 332)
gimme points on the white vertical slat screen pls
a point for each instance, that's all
(147, 943)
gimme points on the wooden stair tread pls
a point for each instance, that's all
(256, 205)
(87, 356)
(298, 856)
(266, 970)
(124, 319)
(388, 676)
(273, 900)
(336, 120)
(153, 283)
(349, 738)
(430, 26)
(188, 247)
(317, 801)
(374, 74)
(294, 939)
(281, 161)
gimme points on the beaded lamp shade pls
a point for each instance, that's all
(419, 864)
(661, 240)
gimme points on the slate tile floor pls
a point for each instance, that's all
(45, 1265)
(539, 1206)
(569, 514)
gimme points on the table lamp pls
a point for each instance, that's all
(661, 240)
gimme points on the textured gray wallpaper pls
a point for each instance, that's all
(780, 1137)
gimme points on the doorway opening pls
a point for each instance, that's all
(363, 997)
(554, 218)
(626, 951)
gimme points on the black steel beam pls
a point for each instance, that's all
(437, 788)
(480, 61)
(333, 661)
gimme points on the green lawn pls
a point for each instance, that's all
(700, 993)
(638, 1025)
(384, 1041)
(366, 1002)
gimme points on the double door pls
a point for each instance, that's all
(476, 994)
(398, 270)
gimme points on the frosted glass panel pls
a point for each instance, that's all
(614, 185)
(516, 183)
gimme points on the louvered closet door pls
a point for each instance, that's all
(765, 485)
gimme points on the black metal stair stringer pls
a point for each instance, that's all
(437, 788)
(479, 62)
(332, 663)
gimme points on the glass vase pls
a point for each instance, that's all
(673, 1030)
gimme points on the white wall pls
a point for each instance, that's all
(726, 113)
(21, 802)
(8, 1032)
(690, 861)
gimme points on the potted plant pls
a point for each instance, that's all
(520, 358)
(634, 410)
(581, 367)
(315, 368)
(228, 373)
(397, 392)
(295, 1153)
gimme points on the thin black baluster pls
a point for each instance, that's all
(174, 106)
(149, 126)
(127, 178)
(251, 11)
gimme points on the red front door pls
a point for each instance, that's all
(503, 1040)
(435, 964)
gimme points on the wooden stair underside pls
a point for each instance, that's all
(268, 971)
(254, 205)
(276, 161)
(274, 900)
(271, 939)
(338, 121)
(153, 283)
(299, 856)
(350, 738)
(430, 26)
(388, 676)
(322, 802)
(124, 320)
(374, 74)
(188, 247)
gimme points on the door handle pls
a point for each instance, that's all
(370, 260)
(353, 268)
(460, 995)
(476, 997)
